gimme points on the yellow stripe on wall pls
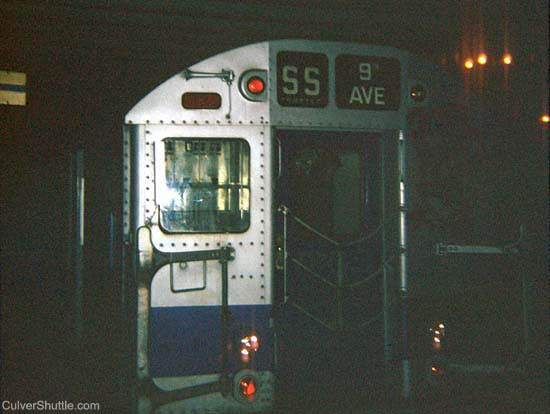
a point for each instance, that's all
(12, 88)
(13, 78)
(13, 98)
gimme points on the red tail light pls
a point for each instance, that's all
(255, 85)
(248, 388)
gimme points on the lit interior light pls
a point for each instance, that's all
(469, 63)
(507, 59)
(482, 59)
(437, 340)
(437, 332)
(441, 326)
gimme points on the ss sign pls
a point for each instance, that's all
(367, 82)
(302, 79)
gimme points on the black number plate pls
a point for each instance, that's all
(367, 82)
(302, 79)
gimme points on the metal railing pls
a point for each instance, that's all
(339, 285)
(148, 261)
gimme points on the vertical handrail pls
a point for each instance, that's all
(280, 160)
(224, 258)
(283, 209)
(79, 206)
(406, 390)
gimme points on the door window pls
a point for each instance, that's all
(330, 180)
(207, 185)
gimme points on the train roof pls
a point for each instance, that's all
(163, 105)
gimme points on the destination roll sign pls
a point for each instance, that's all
(302, 79)
(367, 82)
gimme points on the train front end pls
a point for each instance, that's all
(265, 225)
(197, 230)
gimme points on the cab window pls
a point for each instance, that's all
(207, 184)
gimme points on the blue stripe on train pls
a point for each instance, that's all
(185, 340)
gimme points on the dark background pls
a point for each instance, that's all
(89, 62)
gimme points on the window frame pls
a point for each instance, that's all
(160, 180)
(370, 144)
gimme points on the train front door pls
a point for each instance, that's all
(329, 267)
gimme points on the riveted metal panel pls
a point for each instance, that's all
(249, 272)
(163, 104)
(126, 177)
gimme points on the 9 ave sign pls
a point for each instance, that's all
(367, 82)
(361, 82)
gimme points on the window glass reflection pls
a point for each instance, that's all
(207, 185)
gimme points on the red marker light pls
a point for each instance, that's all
(248, 388)
(255, 85)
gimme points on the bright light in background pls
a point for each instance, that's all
(438, 332)
(482, 59)
(469, 63)
(545, 119)
(507, 59)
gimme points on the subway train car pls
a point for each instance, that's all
(276, 217)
